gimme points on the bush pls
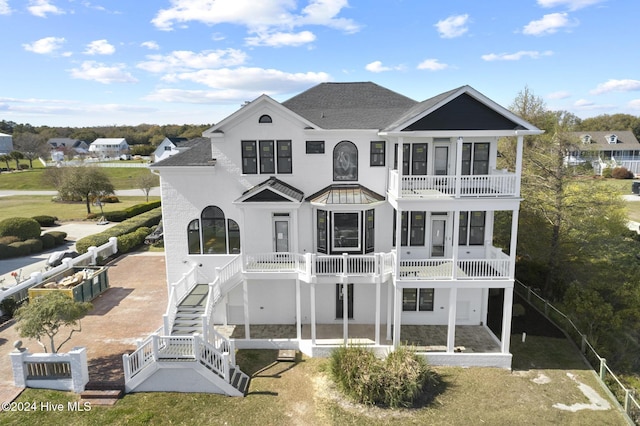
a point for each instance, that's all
(48, 241)
(7, 251)
(9, 240)
(622, 173)
(22, 248)
(8, 306)
(132, 240)
(141, 208)
(35, 245)
(45, 220)
(399, 381)
(21, 227)
(116, 216)
(59, 236)
(109, 199)
(606, 173)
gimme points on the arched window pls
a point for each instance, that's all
(265, 119)
(214, 235)
(345, 162)
(234, 236)
(193, 237)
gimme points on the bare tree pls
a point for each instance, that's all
(31, 145)
(146, 182)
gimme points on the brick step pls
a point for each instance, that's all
(100, 394)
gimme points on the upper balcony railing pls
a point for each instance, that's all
(498, 183)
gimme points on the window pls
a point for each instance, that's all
(210, 234)
(405, 158)
(345, 162)
(417, 228)
(472, 225)
(315, 147)
(346, 231)
(404, 228)
(267, 162)
(168, 148)
(214, 236)
(475, 158)
(265, 119)
(414, 299)
(419, 159)
(613, 139)
(284, 156)
(322, 231)
(377, 153)
(369, 231)
(249, 157)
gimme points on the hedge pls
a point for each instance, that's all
(35, 245)
(21, 227)
(128, 242)
(147, 219)
(59, 236)
(48, 241)
(44, 220)
(22, 248)
(128, 213)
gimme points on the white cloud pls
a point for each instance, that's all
(199, 96)
(40, 8)
(45, 45)
(559, 95)
(453, 26)
(151, 45)
(185, 60)
(257, 16)
(617, 86)
(549, 24)
(279, 39)
(94, 71)
(570, 4)
(4, 7)
(584, 103)
(376, 66)
(432, 65)
(99, 47)
(634, 104)
(258, 80)
(533, 54)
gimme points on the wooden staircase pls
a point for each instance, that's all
(189, 316)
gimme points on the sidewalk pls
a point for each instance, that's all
(131, 309)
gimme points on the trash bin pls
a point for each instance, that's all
(635, 187)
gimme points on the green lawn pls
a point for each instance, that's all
(120, 177)
(302, 394)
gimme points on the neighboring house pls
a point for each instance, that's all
(169, 147)
(281, 226)
(619, 148)
(6, 143)
(60, 146)
(109, 147)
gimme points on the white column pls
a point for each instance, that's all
(451, 326)
(313, 313)
(400, 156)
(294, 225)
(514, 242)
(456, 240)
(245, 292)
(390, 288)
(397, 317)
(298, 312)
(377, 326)
(458, 166)
(507, 308)
(519, 148)
(345, 313)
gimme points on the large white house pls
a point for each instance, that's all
(109, 147)
(6, 143)
(169, 147)
(346, 214)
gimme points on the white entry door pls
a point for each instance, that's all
(438, 232)
(281, 233)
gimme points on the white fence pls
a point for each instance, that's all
(19, 292)
(60, 371)
(497, 183)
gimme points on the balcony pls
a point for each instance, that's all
(498, 183)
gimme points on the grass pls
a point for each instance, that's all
(120, 177)
(302, 394)
(33, 205)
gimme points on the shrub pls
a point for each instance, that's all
(130, 241)
(48, 241)
(116, 216)
(59, 236)
(400, 380)
(21, 227)
(22, 248)
(109, 199)
(7, 251)
(606, 173)
(8, 306)
(35, 245)
(622, 173)
(9, 239)
(45, 220)
(141, 208)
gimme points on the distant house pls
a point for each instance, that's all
(618, 148)
(109, 147)
(6, 143)
(60, 146)
(169, 147)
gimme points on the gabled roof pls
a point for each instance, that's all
(108, 141)
(178, 141)
(626, 141)
(459, 109)
(341, 194)
(199, 154)
(362, 105)
(271, 190)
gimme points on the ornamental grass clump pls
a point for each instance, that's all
(400, 380)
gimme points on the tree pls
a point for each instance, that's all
(31, 145)
(85, 183)
(145, 182)
(16, 156)
(5, 158)
(46, 315)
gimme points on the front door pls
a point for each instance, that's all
(281, 233)
(340, 301)
(441, 161)
(438, 228)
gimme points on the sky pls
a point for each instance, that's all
(82, 63)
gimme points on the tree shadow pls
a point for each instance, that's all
(106, 372)
(108, 300)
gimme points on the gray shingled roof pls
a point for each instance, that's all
(199, 154)
(599, 141)
(278, 186)
(362, 105)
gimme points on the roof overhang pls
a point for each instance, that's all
(346, 195)
(273, 191)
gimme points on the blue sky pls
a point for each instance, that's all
(125, 62)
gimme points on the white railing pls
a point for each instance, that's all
(60, 371)
(426, 269)
(480, 269)
(497, 183)
(274, 262)
(178, 291)
(136, 361)
(465, 269)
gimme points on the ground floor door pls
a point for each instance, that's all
(340, 300)
(281, 233)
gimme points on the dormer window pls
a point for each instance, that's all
(265, 119)
(586, 139)
(612, 139)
